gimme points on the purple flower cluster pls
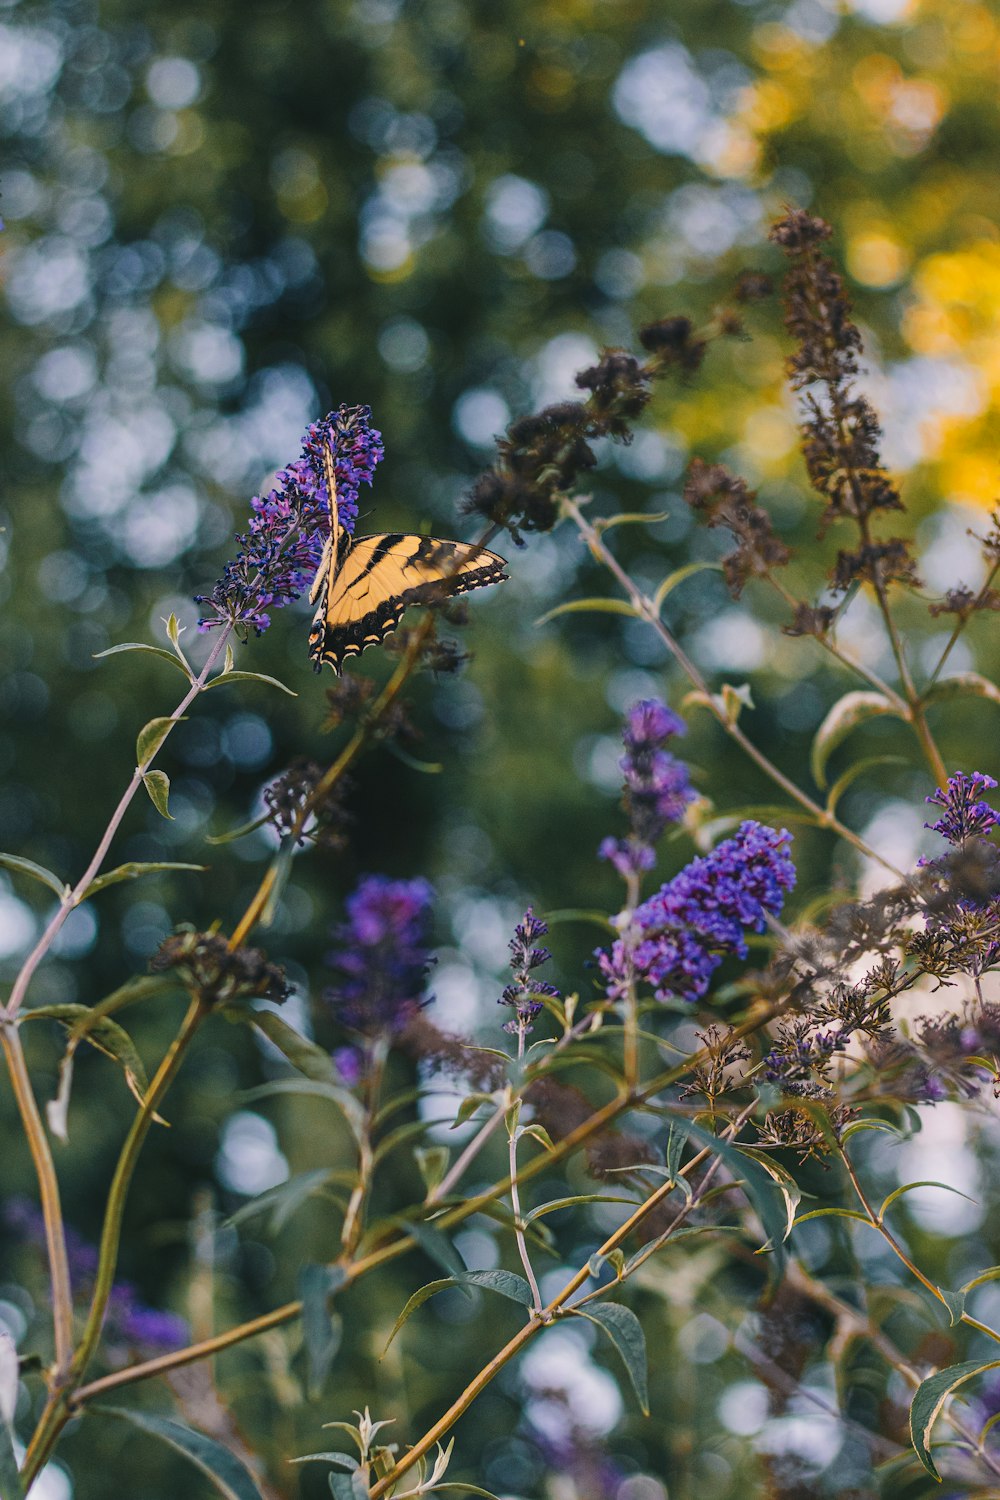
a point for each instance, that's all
(280, 553)
(381, 959)
(523, 994)
(680, 935)
(128, 1320)
(656, 786)
(965, 816)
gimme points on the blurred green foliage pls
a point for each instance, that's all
(223, 219)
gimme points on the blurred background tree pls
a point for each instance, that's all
(223, 219)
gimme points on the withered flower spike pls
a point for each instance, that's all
(726, 500)
(840, 430)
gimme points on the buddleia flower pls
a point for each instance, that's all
(283, 544)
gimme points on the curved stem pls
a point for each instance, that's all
(59, 1410)
(73, 898)
(645, 607)
(48, 1187)
(877, 1222)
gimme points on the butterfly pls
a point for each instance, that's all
(363, 584)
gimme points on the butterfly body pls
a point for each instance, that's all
(364, 584)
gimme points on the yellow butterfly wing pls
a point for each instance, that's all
(364, 585)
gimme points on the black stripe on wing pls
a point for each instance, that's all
(331, 645)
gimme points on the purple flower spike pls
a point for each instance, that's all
(964, 817)
(683, 932)
(281, 551)
(657, 789)
(523, 994)
(381, 961)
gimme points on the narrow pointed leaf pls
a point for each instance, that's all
(625, 1331)
(133, 870)
(228, 1474)
(931, 1396)
(631, 518)
(436, 1246)
(151, 737)
(240, 832)
(764, 1193)
(303, 1054)
(149, 650)
(853, 772)
(961, 683)
(679, 575)
(345, 1102)
(420, 1296)
(321, 1328)
(157, 784)
(20, 866)
(590, 606)
(283, 1201)
(225, 677)
(342, 1460)
(909, 1186)
(849, 711)
(505, 1283)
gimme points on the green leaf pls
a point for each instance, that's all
(420, 1296)
(88, 1023)
(504, 1283)
(283, 1201)
(151, 737)
(931, 1396)
(21, 866)
(961, 683)
(432, 1164)
(579, 914)
(321, 1329)
(834, 1213)
(224, 677)
(436, 1246)
(468, 1107)
(157, 784)
(680, 575)
(229, 1474)
(238, 833)
(631, 518)
(676, 1141)
(303, 1054)
(149, 650)
(872, 1124)
(955, 1303)
(555, 1204)
(764, 1193)
(988, 1275)
(625, 1331)
(909, 1186)
(425, 767)
(133, 870)
(342, 1460)
(345, 1102)
(849, 711)
(595, 606)
(853, 772)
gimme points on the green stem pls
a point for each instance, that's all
(646, 608)
(59, 1410)
(48, 1187)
